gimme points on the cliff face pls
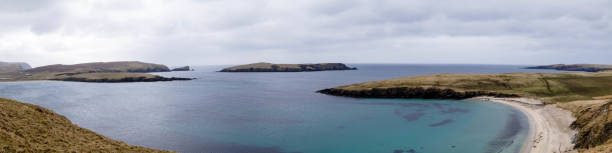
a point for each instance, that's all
(412, 92)
(594, 125)
(269, 67)
(576, 67)
(13, 66)
(98, 67)
(30, 128)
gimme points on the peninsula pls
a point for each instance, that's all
(93, 72)
(576, 67)
(30, 128)
(586, 96)
(269, 67)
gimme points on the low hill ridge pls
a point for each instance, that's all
(270, 67)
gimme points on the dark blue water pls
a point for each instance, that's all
(280, 112)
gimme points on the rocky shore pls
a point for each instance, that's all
(412, 92)
(269, 67)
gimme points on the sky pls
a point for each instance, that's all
(225, 32)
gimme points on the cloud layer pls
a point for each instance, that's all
(203, 32)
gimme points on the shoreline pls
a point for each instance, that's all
(549, 126)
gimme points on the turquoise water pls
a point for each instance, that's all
(280, 112)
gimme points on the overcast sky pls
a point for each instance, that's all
(209, 32)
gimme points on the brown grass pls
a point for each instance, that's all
(30, 128)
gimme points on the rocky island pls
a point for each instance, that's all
(586, 96)
(184, 68)
(576, 67)
(30, 128)
(93, 72)
(269, 67)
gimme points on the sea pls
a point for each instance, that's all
(280, 112)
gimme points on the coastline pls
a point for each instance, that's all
(549, 126)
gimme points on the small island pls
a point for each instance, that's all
(269, 67)
(184, 68)
(107, 72)
(575, 67)
(586, 96)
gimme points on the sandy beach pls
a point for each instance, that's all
(549, 125)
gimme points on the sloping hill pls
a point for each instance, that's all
(30, 128)
(131, 66)
(13, 66)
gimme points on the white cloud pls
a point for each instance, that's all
(365, 31)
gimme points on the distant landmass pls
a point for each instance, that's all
(13, 66)
(576, 67)
(130, 71)
(184, 68)
(269, 67)
(97, 67)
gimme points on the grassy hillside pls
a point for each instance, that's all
(102, 67)
(550, 87)
(593, 123)
(13, 67)
(30, 128)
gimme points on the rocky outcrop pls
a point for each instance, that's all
(269, 67)
(575, 67)
(184, 68)
(412, 92)
(594, 125)
(125, 79)
(13, 67)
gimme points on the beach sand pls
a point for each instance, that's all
(549, 125)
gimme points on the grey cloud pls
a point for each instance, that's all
(234, 31)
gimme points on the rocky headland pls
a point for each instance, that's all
(269, 67)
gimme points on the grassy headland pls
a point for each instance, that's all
(549, 87)
(30, 128)
(269, 67)
(93, 72)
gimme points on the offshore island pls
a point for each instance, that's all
(561, 107)
(269, 67)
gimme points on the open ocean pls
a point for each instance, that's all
(280, 112)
